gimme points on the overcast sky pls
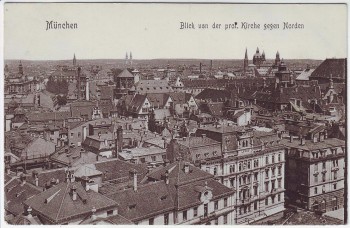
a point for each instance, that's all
(109, 30)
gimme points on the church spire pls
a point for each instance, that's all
(246, 54)
(74, 60)
(257, 49)
(20, 68)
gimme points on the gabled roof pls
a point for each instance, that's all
(57, 205)
(46, 116)
(157, 99)
(125, 74)
(180, 97)
(335, 67)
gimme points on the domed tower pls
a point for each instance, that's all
(257, 58)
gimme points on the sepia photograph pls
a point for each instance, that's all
(181, 113)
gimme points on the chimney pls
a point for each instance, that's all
(67, 176)
(119, 141)
(23, 179)
(166, 179)
(93, 213)
(29, 212)
(7, 168)
(134, 176)
(302, 141)
(187, 167)
(166, 162)
(85, 183)
(74, 192)
(72, 177)
(291, 138)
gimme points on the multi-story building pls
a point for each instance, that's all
(178, 193)
(252, 163)
(315, 172)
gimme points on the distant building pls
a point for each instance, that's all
(19, 83)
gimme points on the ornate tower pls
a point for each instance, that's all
(245, 64)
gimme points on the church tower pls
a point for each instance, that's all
(263, 56)
(74, 60)
(20, 68)
(131, 58)
(277, 59)
(126, 59)
(245, 66)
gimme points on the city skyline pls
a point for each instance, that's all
(157, 35)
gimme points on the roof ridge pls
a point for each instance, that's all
(64, 196)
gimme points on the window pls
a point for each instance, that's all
(266, 201)
(272, 199)
(273, 158)
(335, 175)
(143, 160)
(206, 209)
(216, 221)
(195, 211)
(166, 219)
(267, 173)
(266, 186)
(153, 158)
(335, 186)
(273, 184)
(232, 182)
(225, 202)
(215, 171)
(216, 205)
(232, 168)
(256, 163)
(279, 170)
(315, 190)
(279, 157)
(273, 171)
(110, 212)
(267, 160)
(151, 221)
(248, 164)
(323, 165)
(255, 176)
(255, 190)
(279, 183)
(184, 215)
(279, 197)
(79, 134)
(240, 166)
(323, 177)
(316, 167)
(225, 219)
(71, 134)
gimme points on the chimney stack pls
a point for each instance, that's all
(85, 183)
(29, 211)
(134, 176)
(166, 177)
(187, 167)
(23, 179)
(74, 192)
(93, 213)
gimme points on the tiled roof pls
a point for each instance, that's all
(46, 176)
(42, 117)
(56, 203)
(157, 99)
(214, 94)
(180, 97)
(16, 193)
(116, 169)
(125, 74)
(335, 67)
(153, 86)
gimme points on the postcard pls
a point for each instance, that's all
(174, 113)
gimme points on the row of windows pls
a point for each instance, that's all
(334, 176)
(323, 190)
